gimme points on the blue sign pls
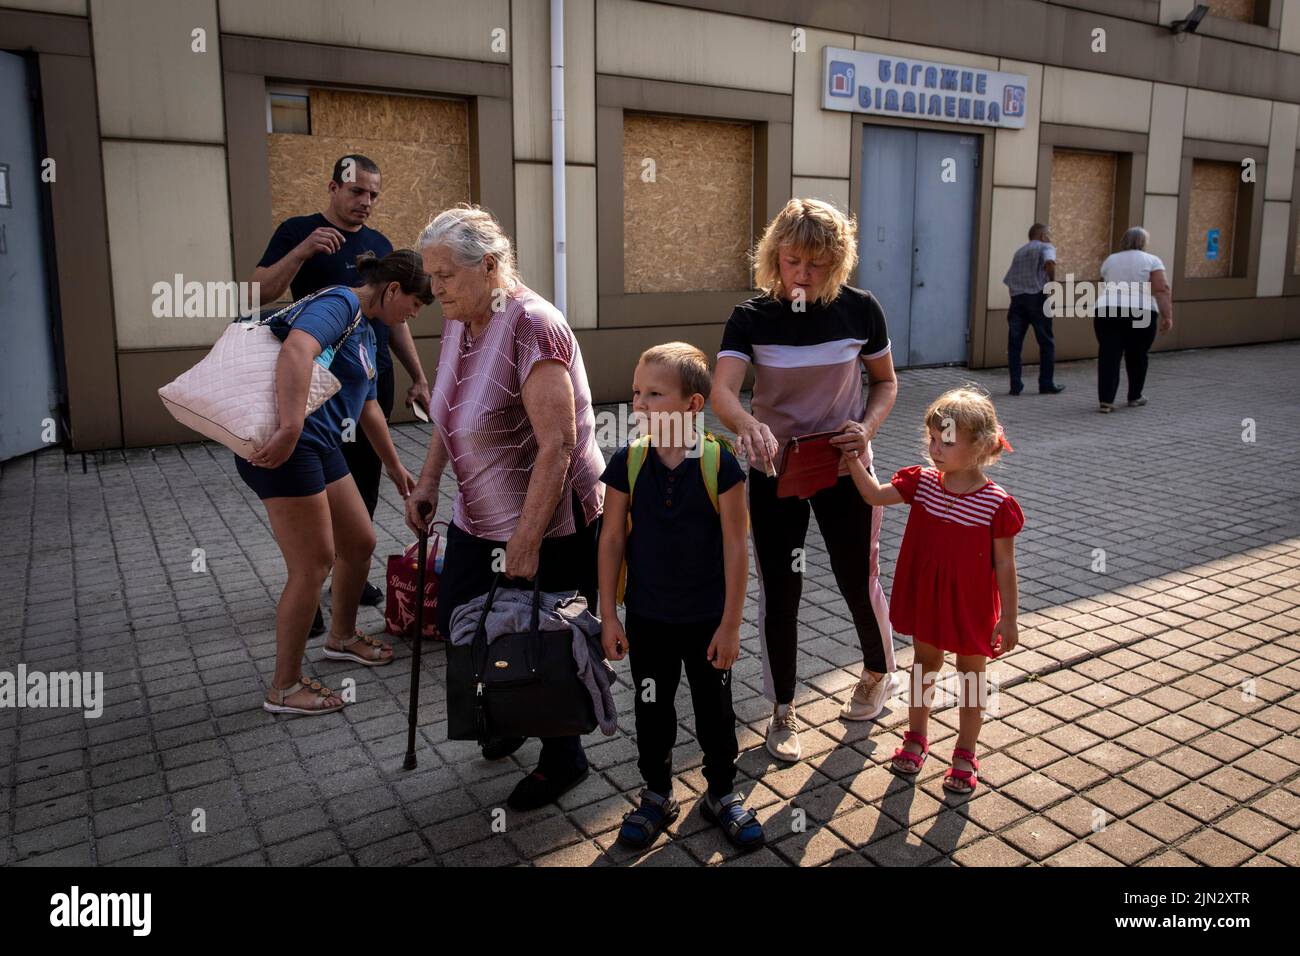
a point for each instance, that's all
(1013, 101)
(1212, 244)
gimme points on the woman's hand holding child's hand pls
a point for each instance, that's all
(612, 639)
(852, 440)
(725, 647)
(1006, 635)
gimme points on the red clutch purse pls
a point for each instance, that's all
(809, 464)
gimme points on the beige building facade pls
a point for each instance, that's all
(182, 128)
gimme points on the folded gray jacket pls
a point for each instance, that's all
(512, 613)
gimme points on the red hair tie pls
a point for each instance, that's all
(1002, 440)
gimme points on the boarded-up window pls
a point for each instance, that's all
(1211, 218)
(1083, 212)
(1243, 10)
(688, 190)
(1296, 263)
(420, 144)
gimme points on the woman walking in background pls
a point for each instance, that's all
(1134, 304)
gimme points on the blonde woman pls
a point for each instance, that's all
(809, 336)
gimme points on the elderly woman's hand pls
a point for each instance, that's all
(853, 442)
(522, 557)
(420, 507)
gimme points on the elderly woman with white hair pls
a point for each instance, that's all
(512, 410)
(1135, 301)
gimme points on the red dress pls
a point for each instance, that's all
(945, 589)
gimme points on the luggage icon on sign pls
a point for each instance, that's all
(841, 78)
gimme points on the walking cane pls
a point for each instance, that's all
(410, 762)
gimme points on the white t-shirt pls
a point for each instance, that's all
(1127, 277)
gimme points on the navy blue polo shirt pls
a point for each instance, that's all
(675, 570)
(323, 270)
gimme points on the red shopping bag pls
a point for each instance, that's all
(399, 611)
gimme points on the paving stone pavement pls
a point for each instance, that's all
(1149, 716)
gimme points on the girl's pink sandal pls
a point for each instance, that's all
(907, 763)
(962, 781)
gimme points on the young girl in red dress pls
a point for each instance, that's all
(955, 581)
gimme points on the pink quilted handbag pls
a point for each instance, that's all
(229, 396)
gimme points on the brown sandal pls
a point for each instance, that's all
(275, 702)
(368, 642)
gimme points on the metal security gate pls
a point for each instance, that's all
(29, 383)
(916, 229)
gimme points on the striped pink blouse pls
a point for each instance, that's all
(479, 411)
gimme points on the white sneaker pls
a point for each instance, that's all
(783, 733)
(869, 697)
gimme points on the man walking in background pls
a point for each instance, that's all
(308, 253)
(1032, 267)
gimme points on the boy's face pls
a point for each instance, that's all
(951, 450)
(660, 406)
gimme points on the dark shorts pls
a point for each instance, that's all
(306, 472)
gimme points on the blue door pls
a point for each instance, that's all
(916, 222)
(29, 383)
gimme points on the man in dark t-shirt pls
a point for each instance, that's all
(308, 253)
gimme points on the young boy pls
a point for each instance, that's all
(686, 569)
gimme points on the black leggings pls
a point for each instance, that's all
(1118, 338)
(363, 460)
(780, 526)
(565, 563)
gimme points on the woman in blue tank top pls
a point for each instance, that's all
(317, 515)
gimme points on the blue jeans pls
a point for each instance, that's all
(1026, 312)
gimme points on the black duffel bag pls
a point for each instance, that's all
(516, 685)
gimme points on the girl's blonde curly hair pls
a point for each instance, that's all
(816, 228)
(970, 410)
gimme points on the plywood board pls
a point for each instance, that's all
(688, 190)
(1082, 213)
(1213, 206)
(403, 119)
(421, 146)
(1243, 10)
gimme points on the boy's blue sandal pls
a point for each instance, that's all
(646, 822)
(738, 822)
